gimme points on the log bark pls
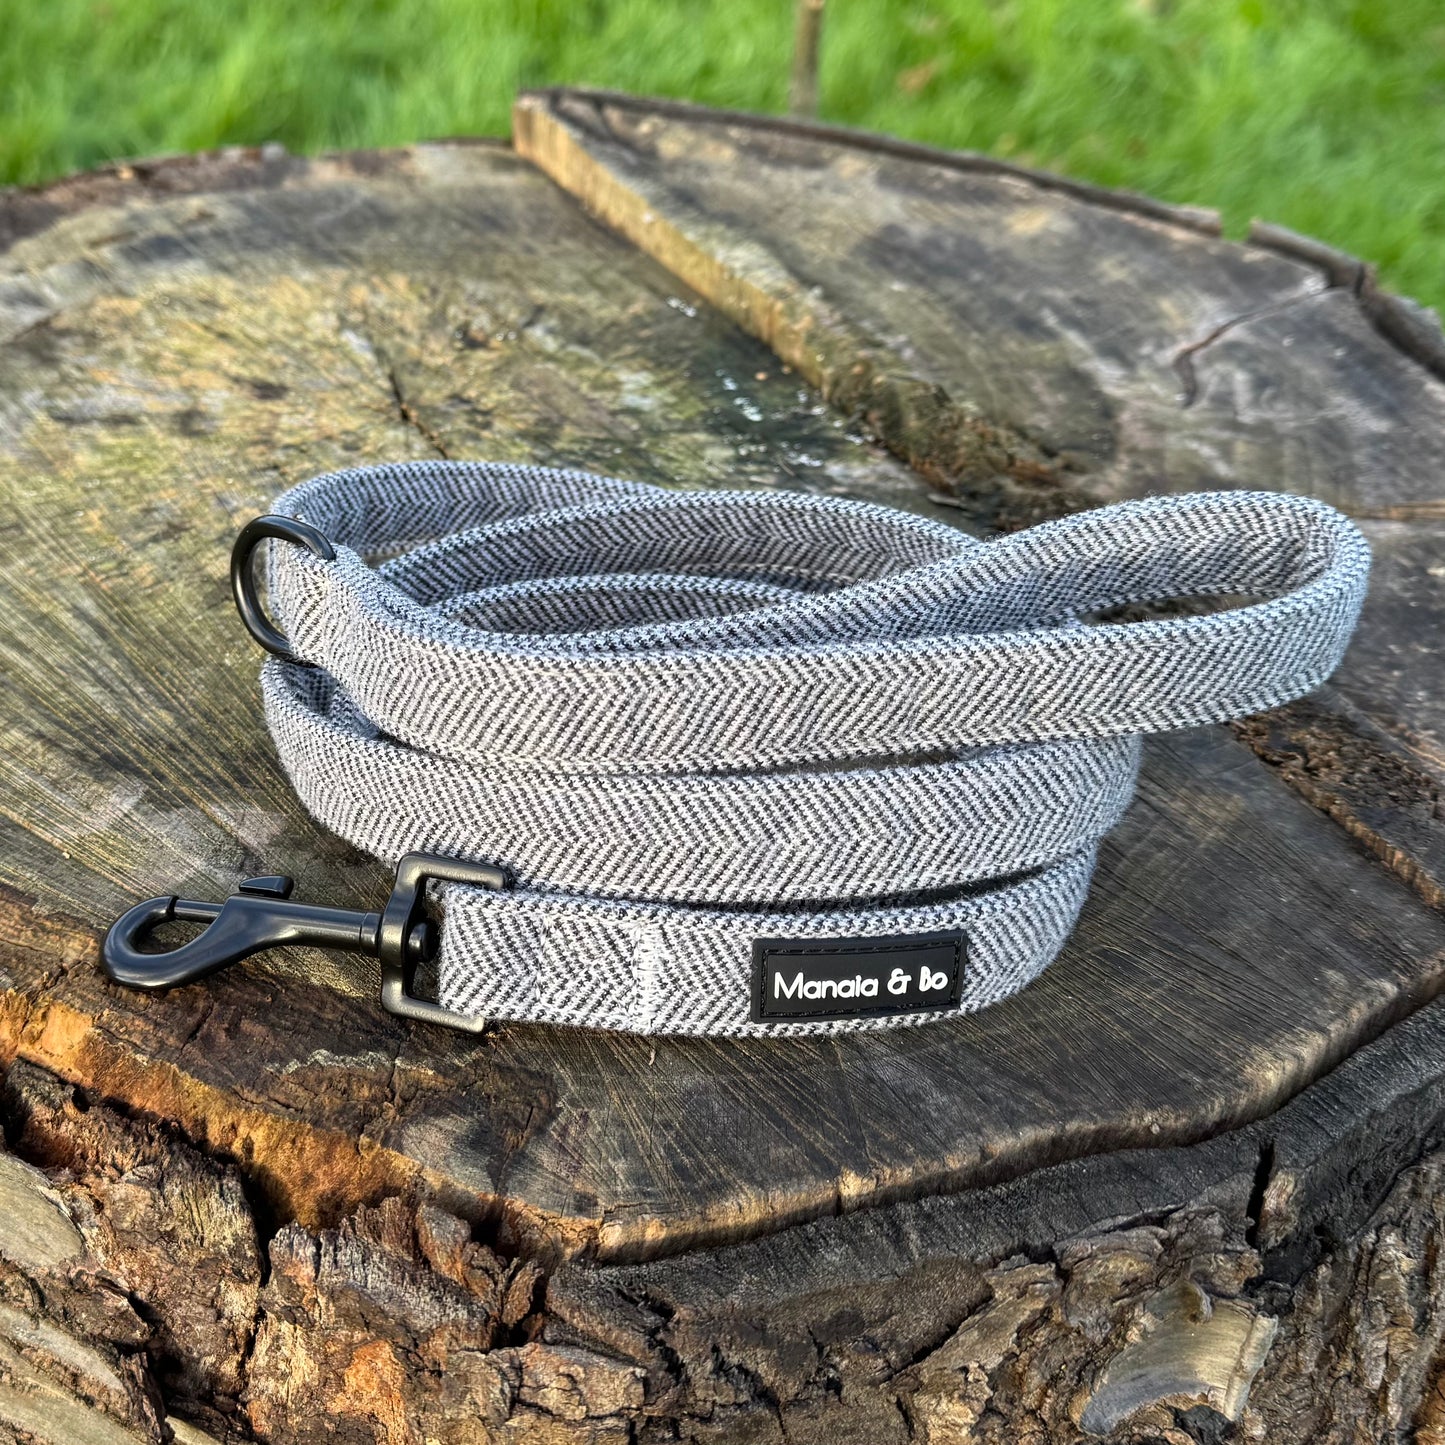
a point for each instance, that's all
(1281, 1282)
(1184, 1188)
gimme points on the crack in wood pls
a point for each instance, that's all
(1254, 1207)
(1184, 358)
(408, 413)
(1359, 783)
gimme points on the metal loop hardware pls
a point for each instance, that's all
(243, 577)
(261, 915)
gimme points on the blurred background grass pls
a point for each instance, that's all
(1324, 115)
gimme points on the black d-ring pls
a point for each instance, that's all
(243, 577)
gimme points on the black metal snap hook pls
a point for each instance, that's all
(261, 914)
(243, 576)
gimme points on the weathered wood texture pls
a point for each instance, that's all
(1034, 345)
(1280, 1283)
(173, 360)
(1093, 1210)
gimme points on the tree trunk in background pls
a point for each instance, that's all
(807, 38)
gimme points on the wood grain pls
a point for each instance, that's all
(1035, 345)
(1282, 1279)
(174, 354)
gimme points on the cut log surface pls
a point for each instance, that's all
(1188, 1162)
(1038, 345)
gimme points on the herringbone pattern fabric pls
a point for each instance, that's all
(683, 720)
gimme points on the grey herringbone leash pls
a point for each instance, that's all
(749, 757)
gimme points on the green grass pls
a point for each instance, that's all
(1324, 115)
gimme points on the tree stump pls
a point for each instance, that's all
(1187, 1187)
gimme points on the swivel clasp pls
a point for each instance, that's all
(260, 914)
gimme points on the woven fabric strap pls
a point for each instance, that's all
(685, 721)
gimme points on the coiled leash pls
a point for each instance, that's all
(734, 762)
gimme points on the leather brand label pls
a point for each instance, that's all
(855, 978)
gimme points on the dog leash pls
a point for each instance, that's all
(714, 762)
